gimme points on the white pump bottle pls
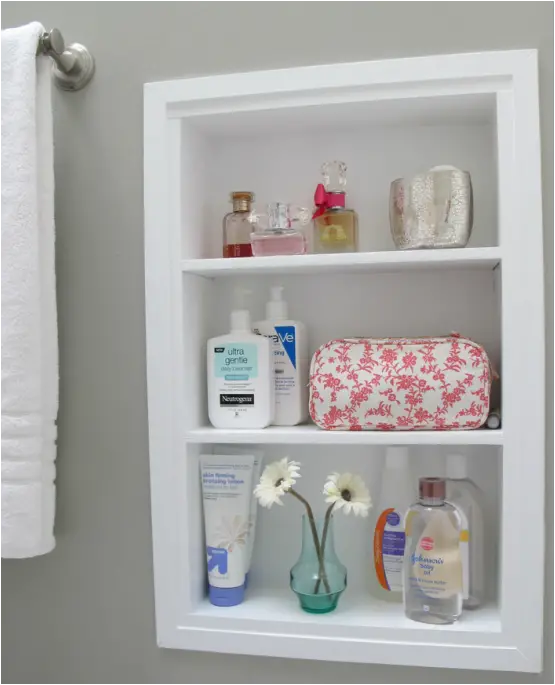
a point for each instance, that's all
(467, 498)
(290, 360)
(240, 379)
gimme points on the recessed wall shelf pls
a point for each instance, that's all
(268, 132)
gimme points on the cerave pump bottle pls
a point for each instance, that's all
(289, 348)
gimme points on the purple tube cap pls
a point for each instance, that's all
(226, 596)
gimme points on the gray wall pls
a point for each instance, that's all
(85, 613)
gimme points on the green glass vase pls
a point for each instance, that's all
(318, 579)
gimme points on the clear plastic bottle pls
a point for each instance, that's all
(467, 497)
(432, 588)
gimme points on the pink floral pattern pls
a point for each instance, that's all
(400, 384)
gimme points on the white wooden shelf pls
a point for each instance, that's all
(384, 262)
(269, 132)
(354, 610)
(312, 435)
(357, 631)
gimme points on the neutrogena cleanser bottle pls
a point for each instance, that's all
(241, 390)
(433, 573)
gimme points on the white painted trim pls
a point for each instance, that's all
(523, 336)
(163, 331)
(474, 656)
(470, 66)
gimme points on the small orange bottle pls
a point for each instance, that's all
(237, 228)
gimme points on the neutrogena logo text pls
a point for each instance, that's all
(235, 400)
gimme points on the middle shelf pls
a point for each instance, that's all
(312, 435)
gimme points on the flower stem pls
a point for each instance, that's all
(324, 538)
(312, 522)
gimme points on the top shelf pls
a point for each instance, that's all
(391, 261)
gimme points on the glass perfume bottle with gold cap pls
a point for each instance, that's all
(237, 227)
(335, 226)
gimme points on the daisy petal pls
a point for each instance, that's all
(276, 479)
(347, 491)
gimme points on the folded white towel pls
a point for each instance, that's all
(29, 326)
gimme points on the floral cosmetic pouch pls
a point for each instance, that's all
(439, 383)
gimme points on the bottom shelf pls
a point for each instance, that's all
(362, 629)
(355, 611)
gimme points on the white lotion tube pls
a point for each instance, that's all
(257, 468)
(227, 485)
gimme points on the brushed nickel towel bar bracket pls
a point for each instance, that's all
(73, 66)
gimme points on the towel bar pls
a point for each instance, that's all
(74, 65)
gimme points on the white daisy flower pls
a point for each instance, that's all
(347, 491)
(276, 479)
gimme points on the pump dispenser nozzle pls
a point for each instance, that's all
(276, 307)
(240, 319)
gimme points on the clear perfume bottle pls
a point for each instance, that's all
(335, 226)
(237, 227)
(275, 232)
(432, 567)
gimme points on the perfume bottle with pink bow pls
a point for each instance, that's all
(335, 226)
(279, 230)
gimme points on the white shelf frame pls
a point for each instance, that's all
(515, 641)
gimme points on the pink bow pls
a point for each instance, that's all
(324, 200)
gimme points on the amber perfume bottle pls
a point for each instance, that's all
(335, 226)
(237, 227)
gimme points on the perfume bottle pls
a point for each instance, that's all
(237, 227)
(335, 226)
(274, 232)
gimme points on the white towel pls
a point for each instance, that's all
(29, 326)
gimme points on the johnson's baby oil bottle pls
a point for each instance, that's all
(433, 570)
